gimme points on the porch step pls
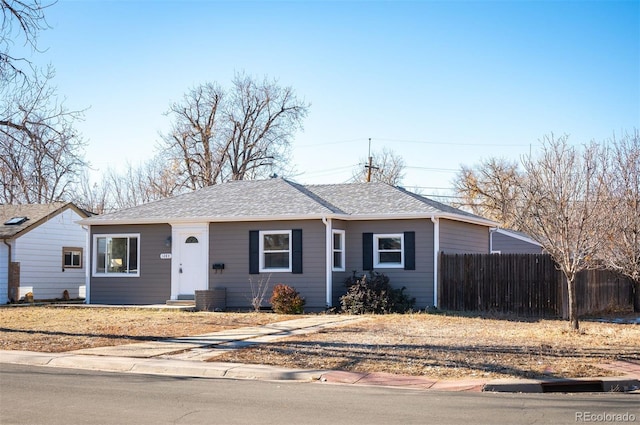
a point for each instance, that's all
(185, 303)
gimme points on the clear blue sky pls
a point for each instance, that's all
(440, 83)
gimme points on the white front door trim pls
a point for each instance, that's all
(179, 233)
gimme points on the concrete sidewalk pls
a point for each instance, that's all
(154, 366)
(203, 347)
(184, 357)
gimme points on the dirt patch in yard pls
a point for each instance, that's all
(58, 329)
(442, 347)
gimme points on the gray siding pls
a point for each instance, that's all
(419, 282)
(154, 284)
(508, 245)
(457, 237)
(229, 244)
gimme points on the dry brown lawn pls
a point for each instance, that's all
(58, 329)
(437, 346)
(441, 346)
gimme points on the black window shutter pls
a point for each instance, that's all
(409, 250)
(254, 252)
(367, 251)
(296, 253)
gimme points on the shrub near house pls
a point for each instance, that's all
(374, 294)
(286, 300)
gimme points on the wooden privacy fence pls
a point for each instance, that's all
(526, 285)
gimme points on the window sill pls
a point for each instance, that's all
(388, 266)
(275, 270)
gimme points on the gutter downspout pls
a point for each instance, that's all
(328, 267)
(492, 231)
(436, 253)
(8, 268)
(88, 262)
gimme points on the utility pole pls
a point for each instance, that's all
(370, 166)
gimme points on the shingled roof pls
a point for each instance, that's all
(278, 199)
(379, 199)
(33, 214)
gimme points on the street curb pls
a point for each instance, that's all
(196, 369)
(607, 384)
(199, 369)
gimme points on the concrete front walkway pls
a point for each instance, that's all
(185, 357)
(203, 347)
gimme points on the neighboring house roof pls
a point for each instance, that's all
(517, 235)
(33, 215)
(279, 198)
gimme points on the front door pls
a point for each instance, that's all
(190, 264)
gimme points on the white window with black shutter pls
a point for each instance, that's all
(388, 251)
(275, 251)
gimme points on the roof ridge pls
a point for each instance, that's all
(348, 184)
(316, 198)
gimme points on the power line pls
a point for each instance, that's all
(324, 171)
(424, 142)
(337, 142)
(431, 187)
(444, 170)
(421, 142)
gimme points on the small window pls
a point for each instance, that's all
(388, 251)
(116, 255)
(72, 258)
(338, 250)
(275, 251)
(191, 239)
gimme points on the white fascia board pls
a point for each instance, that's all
(198, 220)
(346, 217)
(473, 220)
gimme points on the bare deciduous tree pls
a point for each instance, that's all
(623, 242)
(490, 189)
(240, 133)
(41, 154)
(136, 185)
(583, 206)
(125, 188)
(21, 22)
(194, 140)
(92, 197)
(160, 178)
(262, 119)
(388, 167)
(564, 192)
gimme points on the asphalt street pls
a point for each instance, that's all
(40, 395)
